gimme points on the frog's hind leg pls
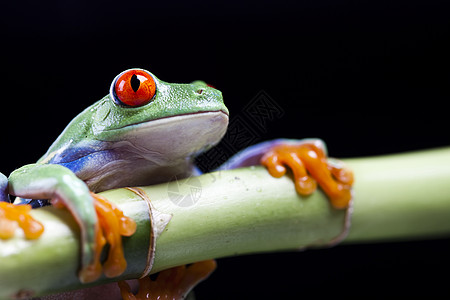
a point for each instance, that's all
(174, 283)
(310, 165)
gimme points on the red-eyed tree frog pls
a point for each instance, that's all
(145, 131)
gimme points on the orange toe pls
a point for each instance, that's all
(174, 283)
(310, 167)
(12, 216)
(113, 225)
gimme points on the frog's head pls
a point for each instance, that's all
(160, 118)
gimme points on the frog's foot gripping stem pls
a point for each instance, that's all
(112, 225)
(173, 283)
(310, 165)
(12, 216)
(100, 221)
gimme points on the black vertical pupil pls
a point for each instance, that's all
(135, 83)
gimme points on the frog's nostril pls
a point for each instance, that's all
(199, 91)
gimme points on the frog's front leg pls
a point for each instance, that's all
(96, 217)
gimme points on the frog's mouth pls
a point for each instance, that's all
(173, 138)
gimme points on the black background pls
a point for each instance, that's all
(368, 77)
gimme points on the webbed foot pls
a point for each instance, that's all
(310, 166)
(12, 216)
(174, 283)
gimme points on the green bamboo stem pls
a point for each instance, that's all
(405, 196)
(401, 196)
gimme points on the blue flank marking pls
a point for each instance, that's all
(72, 154)
(82, 158)
(77, 165)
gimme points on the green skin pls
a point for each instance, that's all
(110, 145)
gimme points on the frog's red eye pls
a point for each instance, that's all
(133, 88)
